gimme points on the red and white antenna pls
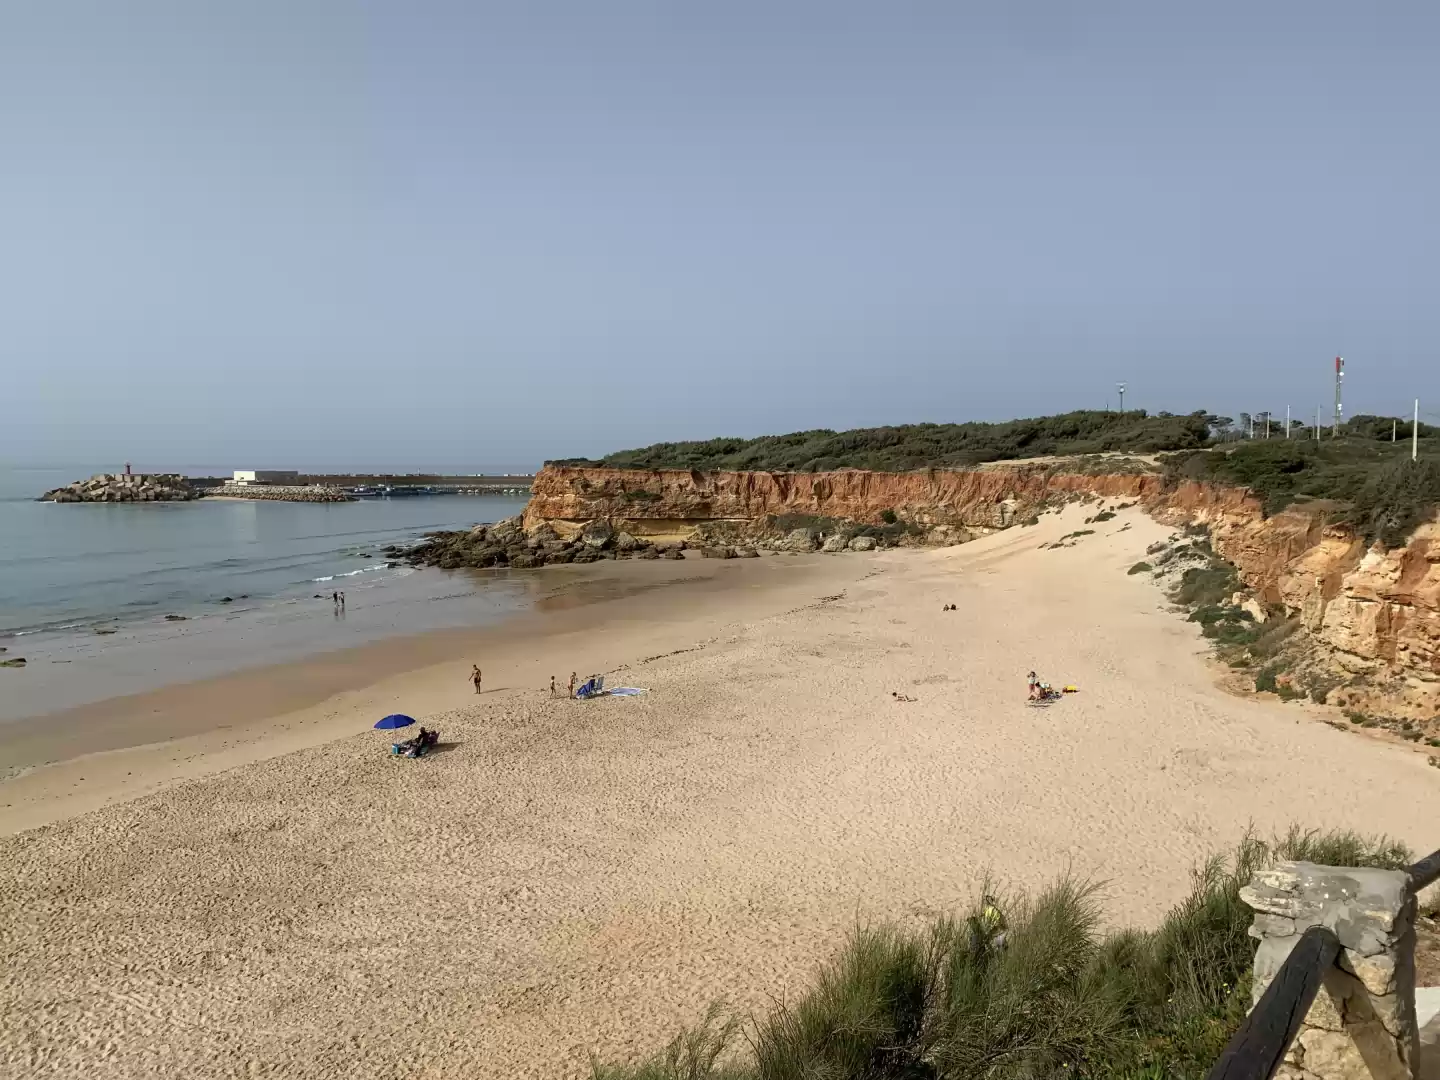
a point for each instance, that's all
(1339, 377)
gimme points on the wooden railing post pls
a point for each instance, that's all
(1362, 1023)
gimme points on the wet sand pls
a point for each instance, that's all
(574, 878)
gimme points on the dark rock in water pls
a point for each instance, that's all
(524, 560)
(244, 596)
(317, 596)
(18, 661)
(103, 630)
(362, 555)
(227, 599)
(391, 565)
(176, 618)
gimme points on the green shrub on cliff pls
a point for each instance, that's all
(1373, 482)
(918, 446)
(1058, 999)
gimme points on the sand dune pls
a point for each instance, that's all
(572, 878)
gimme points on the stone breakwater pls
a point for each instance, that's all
(125, 487)
(311, 493)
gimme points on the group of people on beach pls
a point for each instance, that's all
(476, 679)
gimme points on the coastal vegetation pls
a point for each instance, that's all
(1372, 482)
(1056, 997)
(918, 446)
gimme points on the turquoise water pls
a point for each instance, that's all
(74, 566)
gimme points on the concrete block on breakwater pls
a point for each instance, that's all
(125, 487)
(280, 493)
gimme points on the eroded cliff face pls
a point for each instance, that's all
(662, 501)
(1376, 611)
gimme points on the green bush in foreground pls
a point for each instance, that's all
(1058, 999)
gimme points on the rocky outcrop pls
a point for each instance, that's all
(1375, 611)
(315, 493)
(125, 487)
(507, 544)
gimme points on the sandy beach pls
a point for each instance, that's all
(231, 885)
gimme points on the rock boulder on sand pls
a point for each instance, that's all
(863, 543)
(597, 535)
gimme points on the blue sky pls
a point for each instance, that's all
(470, 235)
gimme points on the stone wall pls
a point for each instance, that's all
(1362, 1022)
(279, 493)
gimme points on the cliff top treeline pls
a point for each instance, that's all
(919, 446)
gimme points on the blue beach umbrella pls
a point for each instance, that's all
(395, 720)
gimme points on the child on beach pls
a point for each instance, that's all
(475, 676)
(572, 684)
(552, 686)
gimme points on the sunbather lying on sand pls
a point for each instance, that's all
(901, 697)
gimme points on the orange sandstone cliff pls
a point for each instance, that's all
(1376, 610)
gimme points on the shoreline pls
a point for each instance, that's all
(57, 764)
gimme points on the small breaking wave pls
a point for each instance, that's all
(352, 573)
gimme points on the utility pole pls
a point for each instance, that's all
(1339, 376)
(1317, 423)
(1415, 432)
(1287, 421)
(1121, 387)
(1267, 423)
(1393, 425)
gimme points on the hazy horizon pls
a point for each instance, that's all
(447, 235)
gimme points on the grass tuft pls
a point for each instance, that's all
(1059, 998)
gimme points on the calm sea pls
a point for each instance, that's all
(74, 566)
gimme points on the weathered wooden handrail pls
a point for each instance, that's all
(1256, 1050)
(1426, 871)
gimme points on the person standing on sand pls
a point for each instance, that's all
(342, 601)
(475, 676)
(552, 686)
(572, 684)
(335, 596)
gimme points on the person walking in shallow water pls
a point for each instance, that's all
(475, 676)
